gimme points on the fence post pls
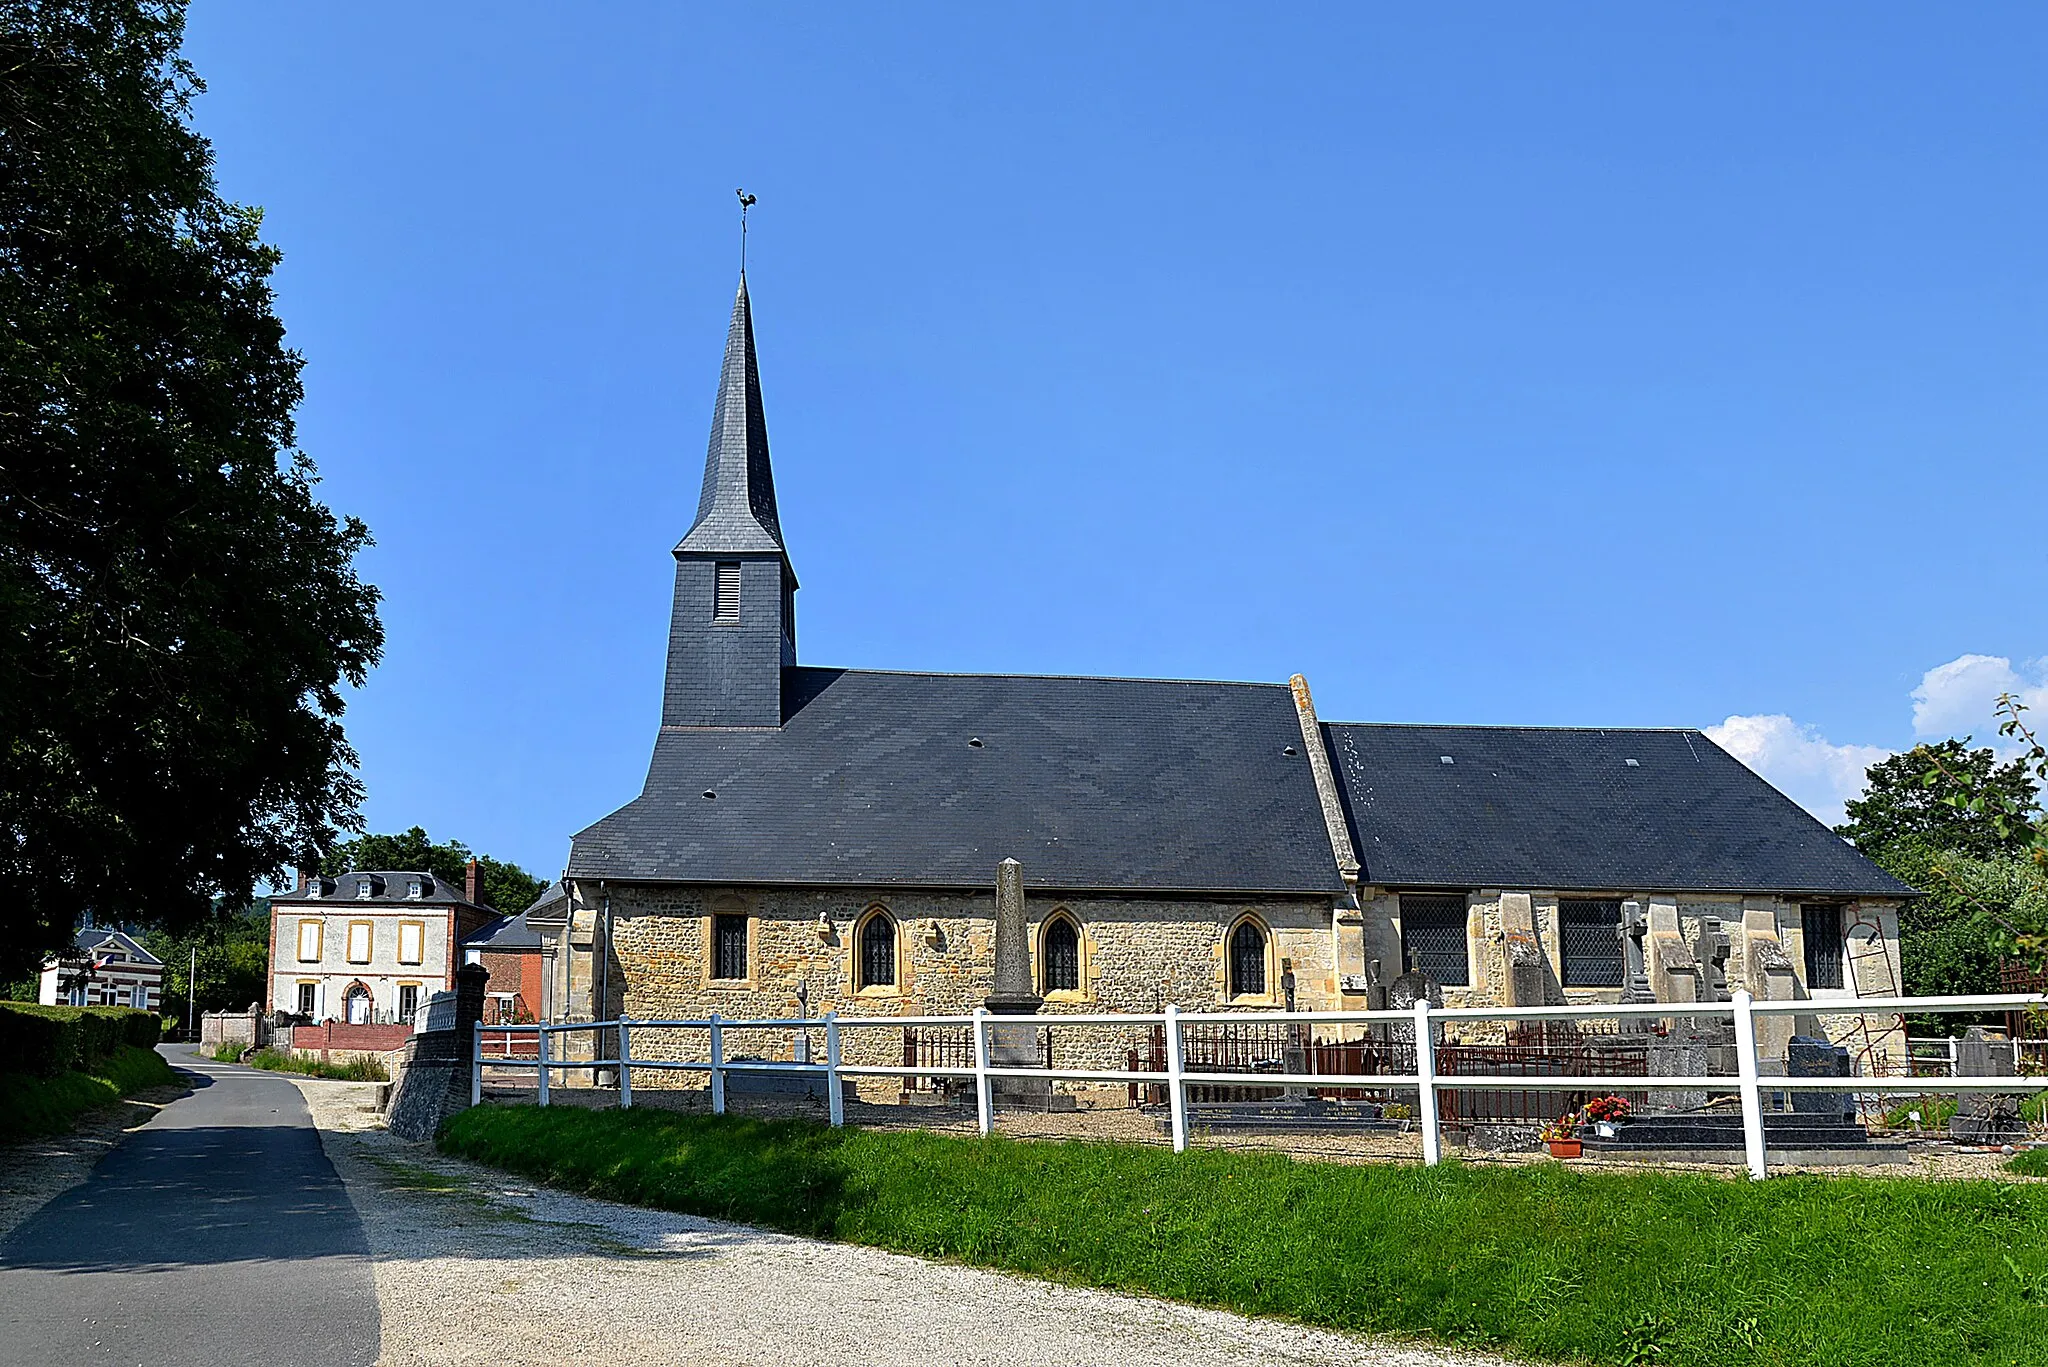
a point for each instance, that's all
(717, 1065)
(835, 1100)
(984, 1102)
(1425, 1092)
(541, 1054)
(1752, 1095)
(1177, 1091)
(625, 1067)
(476, 1063)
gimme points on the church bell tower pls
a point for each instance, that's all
(733, 628)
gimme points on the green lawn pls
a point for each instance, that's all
(33, 1105)
(1651, 1268)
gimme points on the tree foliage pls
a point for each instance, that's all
(506, 886)
(177, 609)
(231, 950)
(2013, 906)
(1900, 805)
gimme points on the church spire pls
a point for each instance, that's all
(736, 511)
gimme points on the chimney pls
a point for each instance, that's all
(305, 877)
(473, 884)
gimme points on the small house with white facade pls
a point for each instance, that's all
(104, 968)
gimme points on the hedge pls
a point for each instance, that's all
(49, 1040)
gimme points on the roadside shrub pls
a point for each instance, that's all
(47, 1040)
(361, 1068)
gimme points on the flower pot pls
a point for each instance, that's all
(1604, 1129)
(1564, 1148)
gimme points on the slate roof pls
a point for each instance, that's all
(736, 510)
(93, 937)
(875, 780)
(397, 882)
(1562, 809)
(506, 935)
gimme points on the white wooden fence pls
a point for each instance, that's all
(1749, 1082)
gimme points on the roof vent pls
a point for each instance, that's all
(709, 793)
(1445, 759)
(1633, 764)
(974, 742)
(1289, 750)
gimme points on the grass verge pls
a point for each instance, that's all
(31, 1105)
(1679, 1270)
(358, 1069)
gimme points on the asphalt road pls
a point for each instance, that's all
(218, 1234)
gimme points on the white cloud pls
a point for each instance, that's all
(1798, 761)
(1959, 698)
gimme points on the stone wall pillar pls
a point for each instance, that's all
(1674, 972)
(1523, 957)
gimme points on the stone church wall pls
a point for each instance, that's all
(1136, 955)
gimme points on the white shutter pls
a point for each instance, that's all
(309, 941)
(410, 934)
(726, 605)
(359, 942)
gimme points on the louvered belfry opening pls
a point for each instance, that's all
(1821, 928)
(725, 605)
(1589, 936)
(1062, 956)
(878, 951)
(1433, 937)
(1247, 960)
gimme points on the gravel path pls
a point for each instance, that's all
(474, 1266)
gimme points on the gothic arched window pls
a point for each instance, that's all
(1061, 947)
(1248, 960)
(877, 949)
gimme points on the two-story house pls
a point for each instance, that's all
(368, 947)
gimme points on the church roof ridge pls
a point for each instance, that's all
(1075, 678)
(736, 512)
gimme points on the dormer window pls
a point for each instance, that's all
(369, 886)
(725, 601)
(416, 888)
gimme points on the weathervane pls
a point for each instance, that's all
(747, 202)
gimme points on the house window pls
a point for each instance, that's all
(878, 950)
(359, 936)
(728, 946)
(1589, 936)
(412, 941)
(1821, 929)
(307, 992)
(138, 996)
(725, 602)
(1248, 960)
(408, 1001)
(1433, 937)
(309, 942)
(415, 889)
(1062, 955)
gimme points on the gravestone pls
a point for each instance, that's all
(1808, 1056)
(1715, 949)
(1986, 1117)
(1633, 929)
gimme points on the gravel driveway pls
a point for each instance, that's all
(475, 1266)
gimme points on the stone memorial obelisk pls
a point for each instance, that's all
(1011, 994)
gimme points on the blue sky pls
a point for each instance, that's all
(1587, 365)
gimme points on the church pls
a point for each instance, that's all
(812, 838)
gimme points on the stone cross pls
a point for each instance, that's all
(1635, 970)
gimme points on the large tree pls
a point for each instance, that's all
(177, 609)
(1900, 804)
(506, 886)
